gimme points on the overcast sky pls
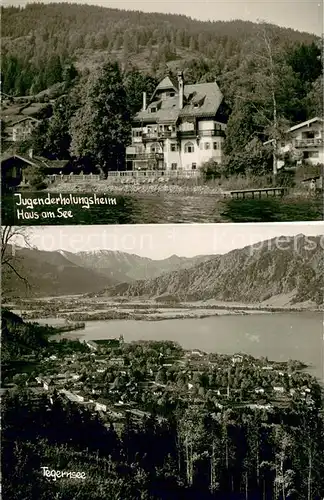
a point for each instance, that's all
(302, 15)
(161, 241)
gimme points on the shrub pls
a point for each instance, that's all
(286, 178)
(211, 170)
(257, 161)
(35, 176)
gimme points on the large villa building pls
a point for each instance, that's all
(179, 128)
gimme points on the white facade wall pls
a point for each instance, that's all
(22, 131)
(178, 157)
(206, 125)
(172, 157)
(186, 126)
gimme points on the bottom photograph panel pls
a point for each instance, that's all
(163, 362)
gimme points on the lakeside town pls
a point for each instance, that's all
(144, 378)
(114, 388)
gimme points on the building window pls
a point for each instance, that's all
(193, 166)
(173, 147)
(153, 148)
(215, 145)
(308, 135)
(174, 166)
(153, 110)
(207, 145)
(189, 147)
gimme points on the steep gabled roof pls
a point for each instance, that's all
(27, 118)
(35, 161)
(200, 100)
(205, 101)
(7, 156)
(167, 83)
(305, 124)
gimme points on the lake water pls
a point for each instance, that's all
(279, 336)
(173, 208)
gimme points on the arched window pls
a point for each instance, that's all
(189, 147)
(154, 148)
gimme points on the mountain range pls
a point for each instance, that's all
(129, 267)
(250, 275)
(63, 273)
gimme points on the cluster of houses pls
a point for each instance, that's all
(179, 128)
(69, 386)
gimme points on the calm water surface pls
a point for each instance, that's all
(174, 208)
(279, 336)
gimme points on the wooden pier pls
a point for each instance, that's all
(253, 193)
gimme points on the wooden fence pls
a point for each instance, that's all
(173, 174)
(73, 178)
(119, 176)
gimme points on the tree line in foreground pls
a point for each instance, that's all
(235, 454)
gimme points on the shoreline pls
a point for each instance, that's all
(149, 187)
(51, 307)
(83, 317)
(136, 188)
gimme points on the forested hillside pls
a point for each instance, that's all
(45, 37)
(21, 338)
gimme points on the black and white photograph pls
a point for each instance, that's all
(163, 361)
(162, 250)
(187, 111)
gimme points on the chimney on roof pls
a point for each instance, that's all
(144, 101)
(181, 89)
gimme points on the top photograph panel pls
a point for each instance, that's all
(121, 117)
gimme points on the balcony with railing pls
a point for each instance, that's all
(306, 143)
(182, 134)
(168, 134)
(158, 135)
(144, 156)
